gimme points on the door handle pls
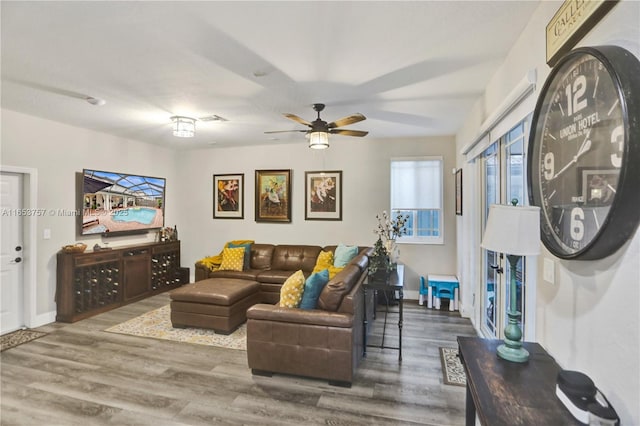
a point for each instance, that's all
(16, 260)
(18, 248)
(498, 269)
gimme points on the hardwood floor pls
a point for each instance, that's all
(79, 374)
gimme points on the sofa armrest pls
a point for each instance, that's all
(202, 272)
(299, 316)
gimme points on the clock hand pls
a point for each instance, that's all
(586, 146)
(566, 167)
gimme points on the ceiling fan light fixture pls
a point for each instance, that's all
(183, 127)
(319, 140)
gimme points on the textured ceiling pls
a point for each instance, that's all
(412, 68)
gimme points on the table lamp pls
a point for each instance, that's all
(514, 231)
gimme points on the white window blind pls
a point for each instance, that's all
(416, 192)
(416, 184)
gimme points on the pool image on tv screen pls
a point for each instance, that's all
(121, 203)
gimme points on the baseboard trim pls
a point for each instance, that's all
(43, 319)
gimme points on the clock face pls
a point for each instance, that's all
(578, 152)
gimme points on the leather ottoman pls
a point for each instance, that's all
(219, 304)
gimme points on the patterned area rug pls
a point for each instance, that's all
(452, 369)
(157, 324)
(19, 337)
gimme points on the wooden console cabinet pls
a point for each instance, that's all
(96, 281)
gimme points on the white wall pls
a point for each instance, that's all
(590, 319)
(365, 166)
(58, 151)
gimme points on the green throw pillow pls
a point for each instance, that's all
(344, 254)
(312, 289)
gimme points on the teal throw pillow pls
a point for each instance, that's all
(246, 264)
(344, 254)
(312, 289)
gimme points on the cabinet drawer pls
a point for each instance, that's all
(165, 248)
(91, 259)
(135, 252)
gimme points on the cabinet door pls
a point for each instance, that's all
(137, 275)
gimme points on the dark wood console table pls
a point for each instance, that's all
(395, 282)
(96, 281)
(509, 393)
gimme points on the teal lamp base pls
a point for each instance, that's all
(512, 349)
(512, 354)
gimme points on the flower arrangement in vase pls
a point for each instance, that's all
(388, 230)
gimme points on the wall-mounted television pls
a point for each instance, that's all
(121, 203)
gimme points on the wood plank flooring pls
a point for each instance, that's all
(81, 375)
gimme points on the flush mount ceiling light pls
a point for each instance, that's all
(319, 140)
(95, 101)
(183, 127)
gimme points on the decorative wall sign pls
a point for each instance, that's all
(273, 195)
(571, 22)
(228, 196)
(459, 192)
(323, 195)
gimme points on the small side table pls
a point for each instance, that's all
(395, 282)
(504, 393)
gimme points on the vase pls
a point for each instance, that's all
(392, 250)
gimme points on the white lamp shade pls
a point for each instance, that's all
(184, 127)
(319, 140)
(513, 230)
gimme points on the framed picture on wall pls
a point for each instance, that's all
(323, 195)
(273, 195)
(459, 192)
(228, 196)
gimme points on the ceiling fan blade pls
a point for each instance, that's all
(286, 131)
(346, 132)
(353, 118)
(297, 119)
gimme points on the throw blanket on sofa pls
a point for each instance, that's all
(213, 262)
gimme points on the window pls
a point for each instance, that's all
(416, 190)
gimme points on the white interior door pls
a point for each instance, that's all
(11, 265)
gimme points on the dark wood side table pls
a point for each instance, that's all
(509, 393)
(394, 282)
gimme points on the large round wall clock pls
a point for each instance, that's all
(584, 153)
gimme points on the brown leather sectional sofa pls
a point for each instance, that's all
(322, 343)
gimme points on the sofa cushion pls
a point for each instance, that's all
(294, 257)
(332, 294)
(250, 274)
(274, 277)
(344, 254)
(313, 286)
(261, 255)
(246, 264)
(232, 259)
(291, 291)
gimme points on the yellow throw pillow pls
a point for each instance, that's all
(324, 261)
(291, 291)
(333, 270)
(232, 259)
